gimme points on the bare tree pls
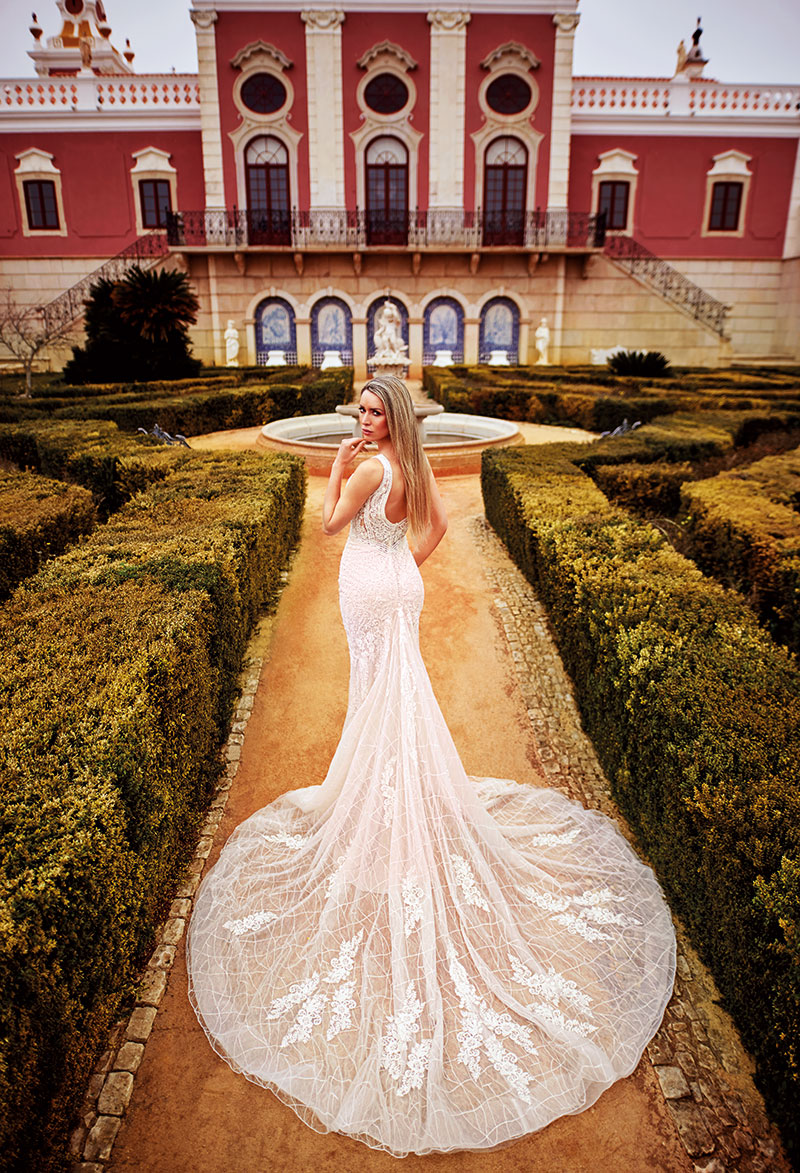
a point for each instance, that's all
(27, 330)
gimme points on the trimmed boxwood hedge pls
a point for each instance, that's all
(695, 715)
(597, 400)
(93, 453)
(653, 489)
(39, 518)
(743, 526)
(118, 666)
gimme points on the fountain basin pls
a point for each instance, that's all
(452, 441)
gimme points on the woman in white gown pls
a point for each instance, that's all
(423, 960)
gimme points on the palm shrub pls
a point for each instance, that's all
(137, 330)
(639, 362)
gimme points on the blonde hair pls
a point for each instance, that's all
(407, 443)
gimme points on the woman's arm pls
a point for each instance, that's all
(342, 504)
(438, 527)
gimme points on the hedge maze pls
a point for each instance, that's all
(689, 690)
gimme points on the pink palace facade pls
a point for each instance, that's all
(325, 157)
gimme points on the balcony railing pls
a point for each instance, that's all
(357, 229)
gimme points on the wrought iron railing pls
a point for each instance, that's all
(69, 305)
(357, 229)
(667, 281)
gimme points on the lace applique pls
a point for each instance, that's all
(555, 838)
(370, 522)
(313, 1001)
(256, 920)
(482, 1029)
(408, 715)
(554, 988)
(388, 790)
(406, 1068)
(412, 903)
(295, 842)
(467, 882)
(592, 910)
(335, 877)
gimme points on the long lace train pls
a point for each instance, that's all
(421, 959)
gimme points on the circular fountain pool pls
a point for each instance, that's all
(453, 441)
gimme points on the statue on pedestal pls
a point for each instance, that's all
(231, 345)
(542, 337)
(390, 357)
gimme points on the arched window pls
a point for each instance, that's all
(505, 181)
(275, 333)
(372, 312)
(331, 329)
(499, 330)
(387, 191)
(443, 329)
(267, 180)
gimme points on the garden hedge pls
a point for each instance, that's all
(653, 489)
(39, 518)
(92, 453)
(695, 714)
(595, 399)
(743, 526)
(118, 666)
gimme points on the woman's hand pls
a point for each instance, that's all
(349, 449)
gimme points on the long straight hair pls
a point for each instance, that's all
(405, 437)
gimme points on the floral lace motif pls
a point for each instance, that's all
(412, 904)
(592, 910)
(406, 1068)
(313, 1001)
(482, 1030)
(370, 523)
(555, 838)
(553, 988)
(245, 924)
(295, 842)
(387, 785)
(467, 882)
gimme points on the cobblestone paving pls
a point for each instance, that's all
(701, 1065)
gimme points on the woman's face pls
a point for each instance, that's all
(373, 417)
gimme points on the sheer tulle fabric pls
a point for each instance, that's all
(421, 959)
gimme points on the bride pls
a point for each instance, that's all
(423, 960)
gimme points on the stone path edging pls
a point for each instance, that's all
(702, 1067)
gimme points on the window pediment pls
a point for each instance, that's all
(511, 53)
(260, 53)
(731, 163)
(387, 53)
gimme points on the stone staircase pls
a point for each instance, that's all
(659, 276)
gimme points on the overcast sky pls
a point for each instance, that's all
(744, 40)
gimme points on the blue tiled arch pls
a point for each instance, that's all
(499, 329)
(443, 329)
(331, 329)
(275, 329)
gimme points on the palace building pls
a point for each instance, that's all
(325, 157)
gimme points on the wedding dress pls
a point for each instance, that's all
(423, 960)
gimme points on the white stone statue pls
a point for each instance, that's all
(542, 337)
(231, 345)
(390, 349)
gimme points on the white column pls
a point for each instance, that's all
(204, 20)
(325, 106)
(448, 108)
(561, 121)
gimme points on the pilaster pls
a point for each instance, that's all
(204, 20)
(561, 121)
(791, 244)
(325, 106)
(447, 107)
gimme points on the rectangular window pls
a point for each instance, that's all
(614, 202)
(40, 204)
(726, 201)
(156, 201)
